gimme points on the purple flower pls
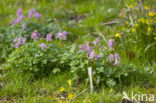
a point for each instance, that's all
(37, 15)
(111, 44)
(111, 57)
(35, 35)
(117, 56)
(49, 37)
(16, 45)
(116, 62)
(19, 12)
(43, 46)
(97, 57)
(23, 40)
(92, 55)
(97, 40)
(80, 48)
(19, 41)
(31, 13)
(24, 26)
(87, 48)
(13, 22)
(62, 36)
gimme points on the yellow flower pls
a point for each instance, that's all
(117, 35)
(123, 28)
(147, 22)
(127, 22)
(136, 25)
(149, 29)
(131, 6)
(133, 29)
(146, 8)
(70, 95)
(135, 4)
(155, 38)
(141, 20)
(69, 82)
(62, 89)
(151, 14)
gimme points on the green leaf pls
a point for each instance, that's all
(56, 70)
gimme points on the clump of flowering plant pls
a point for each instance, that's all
(19, 41)
(20, 16)
(105, 63)
(62, 35)
(35, 35)
(33, 13)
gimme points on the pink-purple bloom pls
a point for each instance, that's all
(19, 41)
(19, 12)
(62, 35)
(111, 44)
(111, 57)
(33, 13)
(80, 48)
(115, 57)
(43, 46)
(96, 41)
(49, 37)
(90, 53)
(13, 22)
(35, 34)
(116, 63)
(37, 15)
(87, 48)
(20, 16)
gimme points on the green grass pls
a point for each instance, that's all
(17, 88)
(84, 19)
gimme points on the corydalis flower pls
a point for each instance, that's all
(115, 57)
(43, 46)
(19, 41)
(19, 12)
(24, 27)
(37, 15)
(96, 41)
(13, 22)
(111, 57)
(33, 13)
(93, 55)
(49, 37)
(87, 48)
(111, 44)
(62, 36)
(35, 35)
(116, 63)
(20, 16)
(80, 48)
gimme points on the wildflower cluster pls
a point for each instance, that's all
(89, 49)
(19, 41)
(33, 13)
(139, 30)
(113, 57)
(36, 35)
(62, 35)
(20, 16)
